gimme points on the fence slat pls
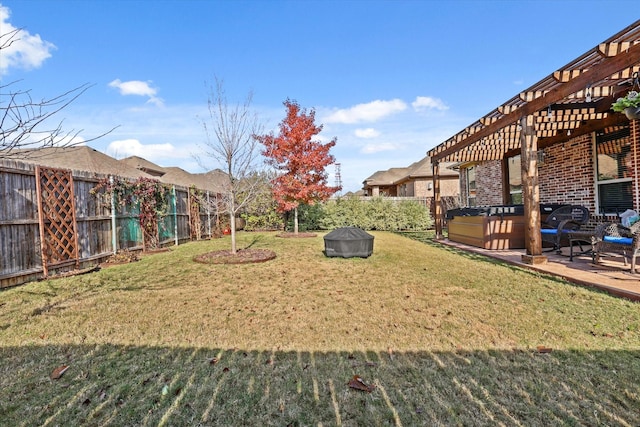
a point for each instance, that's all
(20, 246)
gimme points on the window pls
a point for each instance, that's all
(614, 168)
(471, 185)
(514, 174)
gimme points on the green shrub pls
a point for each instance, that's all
(378, 213)
(309, 217)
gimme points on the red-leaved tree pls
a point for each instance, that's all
(299, 160)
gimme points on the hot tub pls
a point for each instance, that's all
(491, 227)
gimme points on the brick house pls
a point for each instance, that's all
(416, 180)
(558, 142)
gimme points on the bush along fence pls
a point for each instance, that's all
(54, 221)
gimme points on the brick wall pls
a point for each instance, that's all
(489, 184)
(566, 176)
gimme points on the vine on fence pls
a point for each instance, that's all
(149, 194)
(195, 202)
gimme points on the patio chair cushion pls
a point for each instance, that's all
(553, 231)
(618, 240)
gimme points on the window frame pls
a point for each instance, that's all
(600, 183)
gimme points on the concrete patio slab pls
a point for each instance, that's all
(611, 275)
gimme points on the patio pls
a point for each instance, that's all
(611, 275)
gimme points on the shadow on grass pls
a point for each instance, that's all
(133, 385)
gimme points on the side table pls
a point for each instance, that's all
(579, 237)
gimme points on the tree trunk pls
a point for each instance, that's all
(232, 222)
(295, 220)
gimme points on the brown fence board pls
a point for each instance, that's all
(20, 246)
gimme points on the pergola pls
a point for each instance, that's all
(570, 102)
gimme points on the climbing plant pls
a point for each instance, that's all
(150, 195)
(196, 198)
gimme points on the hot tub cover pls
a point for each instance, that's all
(348, 242)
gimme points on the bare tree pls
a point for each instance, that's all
(25, 122)
(230, 141)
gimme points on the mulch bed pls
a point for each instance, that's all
(289, 234)
(242, 256)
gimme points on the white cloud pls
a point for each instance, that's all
(132, 147)
(376, 148)
(366, 133)
(369, 112)
(21, 49)
(139, 88)
(427, 103)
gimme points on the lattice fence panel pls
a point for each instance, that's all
(195, 228)
(57, 213)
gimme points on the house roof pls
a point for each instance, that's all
(144, 165)
(80, 158)
(218, 179)
(388, 177)
(211, 181)
(420, 169)
(424, 169)
(572, 101)
(87, 159)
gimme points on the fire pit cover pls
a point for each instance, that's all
(348, 242)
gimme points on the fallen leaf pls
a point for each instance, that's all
(359, 384)
(58, 372)
(213, 361)
(543, 349)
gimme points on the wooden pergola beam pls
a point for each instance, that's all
(607, 67)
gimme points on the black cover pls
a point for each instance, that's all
(348, 242)
(504, 210)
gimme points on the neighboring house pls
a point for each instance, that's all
(80, 158)
(213, 181)
(144, 165)
(415, 180)
(86, 159)
(557, 142)
(382, 183)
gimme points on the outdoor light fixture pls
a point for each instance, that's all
(549, 113)
(588, 94)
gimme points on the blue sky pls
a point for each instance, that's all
(389, 79)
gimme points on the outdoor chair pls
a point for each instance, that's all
(616, 239)
(560, 222)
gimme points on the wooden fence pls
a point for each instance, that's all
(101, 229)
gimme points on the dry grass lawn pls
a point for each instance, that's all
(446, 338)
